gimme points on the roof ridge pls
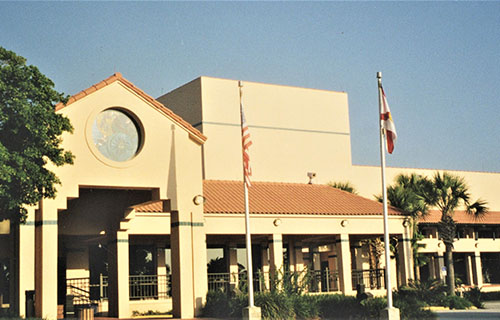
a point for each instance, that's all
(159, 106)
(269, 182)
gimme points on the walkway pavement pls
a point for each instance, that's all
(491, 311)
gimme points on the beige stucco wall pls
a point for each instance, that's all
(300, 224)
(151, 168)
(293, 130)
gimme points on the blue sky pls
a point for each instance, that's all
(440, 60)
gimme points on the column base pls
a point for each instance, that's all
(390, 314)
(253, 313)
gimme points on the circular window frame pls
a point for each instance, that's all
(95, 151)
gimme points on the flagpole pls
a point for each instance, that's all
(384, 197)
(247, 221)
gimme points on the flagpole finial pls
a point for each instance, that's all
(379, 75)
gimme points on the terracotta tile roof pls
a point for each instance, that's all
(280, 198)
(287, 198)
(461, 217)
(150, 206)
(118, 77)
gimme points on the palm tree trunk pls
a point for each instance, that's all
(450, 270)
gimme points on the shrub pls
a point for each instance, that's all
(217, 305)
(431, 292)
(373, 307)
(456, 302)
(412, 309)
(412, 298)
(236, 305)
(306, 306)
(337, 306)
(275, 305)
(474, 295)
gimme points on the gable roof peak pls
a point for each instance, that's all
(160, 107)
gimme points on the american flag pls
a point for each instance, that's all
(246, 143)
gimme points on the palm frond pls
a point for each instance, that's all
(478, 209)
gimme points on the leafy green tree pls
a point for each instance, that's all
(448, 192)
(346, 186)
(30, 133)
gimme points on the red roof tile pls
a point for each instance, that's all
(118, 77)
(150, 206)
(461, 217)
(280, 198)
(287, 198)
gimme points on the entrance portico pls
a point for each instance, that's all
(129, 149)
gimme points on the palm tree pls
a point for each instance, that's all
(448, 192)
(346, 186)
(407, 194)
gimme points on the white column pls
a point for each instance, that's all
(344, 263)
(405, 258)
(469, 269)
(276, 253)
(440, 264)
(46, 237)
(233, 265)
(291, 254)
(182, 267)
(264, 282)
(118, 290)
(432, 267)
(26, 260)
(478, 269)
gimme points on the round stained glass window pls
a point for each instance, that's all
(116, 135)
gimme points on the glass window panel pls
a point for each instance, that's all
(116, 135)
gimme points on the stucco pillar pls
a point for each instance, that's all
(440, 265)
(276, 268)
(332, 269)
(405, 257)
(432, 267)
(315, 258)
(46, 232)
(291, 254)
(187, 233)
(344, 263)
(478, 269)
(26, 263)
(161, 270)
(264, 280)
(118, 286)
(276, 253)
(189, 266)
(299, 258)
(469, 269)
(232, 253)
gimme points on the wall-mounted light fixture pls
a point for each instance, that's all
(406, 223)
(199, 199)
(344, 223)
(277, 222)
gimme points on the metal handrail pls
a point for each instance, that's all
(310, 280)
(140, 287)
